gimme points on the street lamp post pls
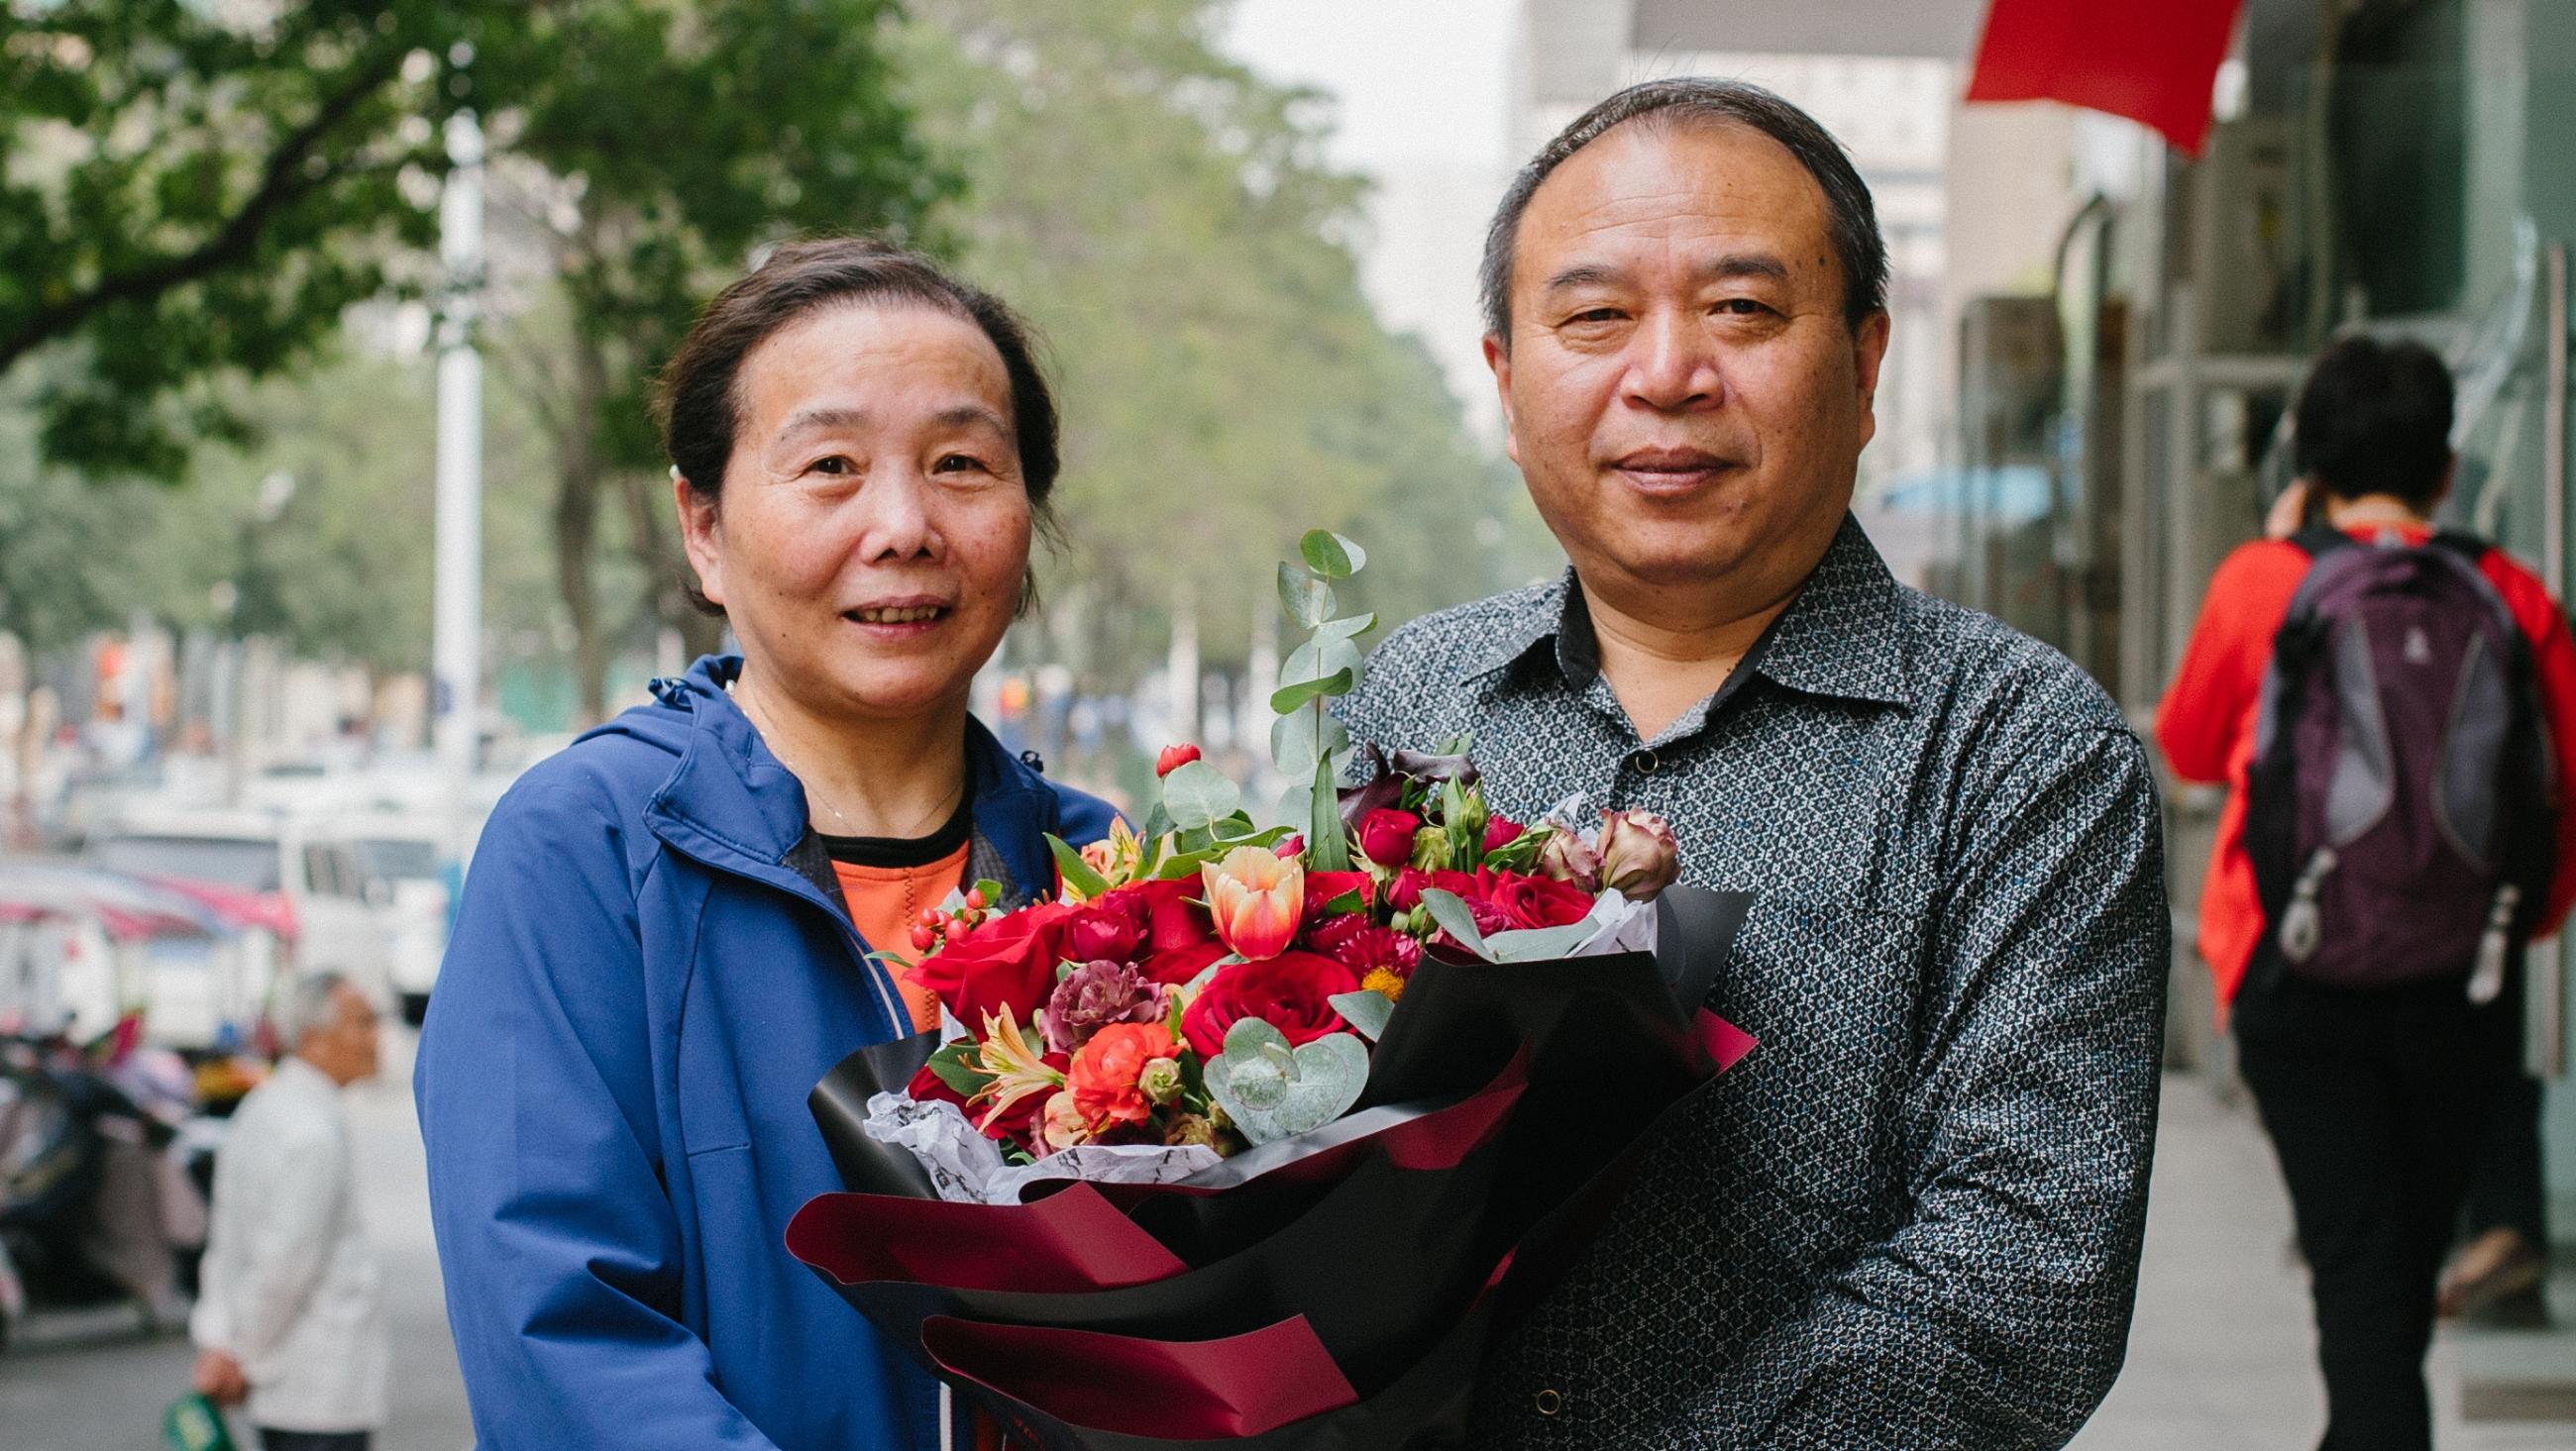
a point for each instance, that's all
(456, 644)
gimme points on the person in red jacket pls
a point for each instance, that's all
(2376, 1100)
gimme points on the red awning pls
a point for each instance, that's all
(2153, 63)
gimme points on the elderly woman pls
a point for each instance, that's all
(666, 938)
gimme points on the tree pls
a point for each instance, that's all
(1167, 218)
(659, 145)
(186, 193)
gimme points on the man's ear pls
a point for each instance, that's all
(701, 522)
(1869, 352)
(1499, 358)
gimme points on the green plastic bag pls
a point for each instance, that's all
(193, 1424)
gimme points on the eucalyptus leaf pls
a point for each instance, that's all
(1320, 659)
(1367, 1012)
(1328, 842)
(1076, 872)
(1346, 628)
(1289, 697)
(1308, 600)
(1293, 748)
(1198, 796)
(1272, 1091)
(1331, 555)
(1450, 911)
(1538, 944)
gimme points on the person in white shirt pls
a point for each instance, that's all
(290, 1320)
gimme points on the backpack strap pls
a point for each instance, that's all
(2319, 540)
(2467, 546)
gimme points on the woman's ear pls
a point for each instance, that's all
(701, 529)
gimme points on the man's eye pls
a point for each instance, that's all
(834, 464)
(959, 463)
(1743, 307)
(1595, 314)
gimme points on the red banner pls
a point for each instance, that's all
(2154, 63)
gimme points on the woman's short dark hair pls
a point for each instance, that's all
(1850, 218)
(700, 408)
(2375, 418)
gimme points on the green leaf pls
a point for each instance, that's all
(1538, 944)
(1366, 1012)
(1320, 659)
(1328, 842)
(1331, 555)
(1289, 697)
(1273, 1092)
(1158, 824)
(1076, 872)
(1450, 911)
(1308, 600)
(949, 1064)
(1346, 628)
(1198, 796)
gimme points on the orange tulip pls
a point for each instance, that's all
(1256, 898)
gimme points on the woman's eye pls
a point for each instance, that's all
(957, 463)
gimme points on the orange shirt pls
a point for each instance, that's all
(2206, 722)
(884, 900)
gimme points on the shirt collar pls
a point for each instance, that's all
(1844, 635)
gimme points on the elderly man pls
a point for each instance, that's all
(290, 1319)
(1912, 1219)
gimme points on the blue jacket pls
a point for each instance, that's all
(651, 968)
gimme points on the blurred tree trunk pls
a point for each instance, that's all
(578, 474)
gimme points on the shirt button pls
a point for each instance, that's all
(1645, 761)
(1548, 1402)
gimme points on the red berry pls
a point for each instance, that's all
(975, 899)
(922, 937)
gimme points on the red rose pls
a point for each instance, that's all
(1525, 901)
(1323, 889)
(1008, 962)
(1291, 992)
(1500, 832)
(1173, 758)
(1112, 929)
(1171, 919)
(1406, 893)
(1182, 965)
(1386, 836)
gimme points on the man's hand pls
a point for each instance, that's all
(2289, 512)
(219, 1378)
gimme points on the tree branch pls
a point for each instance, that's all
(282, 180)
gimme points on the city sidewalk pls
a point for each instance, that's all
(2222, 1354)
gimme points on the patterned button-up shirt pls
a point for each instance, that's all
(1912, 1218)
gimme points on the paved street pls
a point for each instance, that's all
(2222, 1354)
(108, 1395)
(2220, 1360)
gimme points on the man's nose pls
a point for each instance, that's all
(1673, 364)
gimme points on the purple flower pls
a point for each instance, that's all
(1095, 995)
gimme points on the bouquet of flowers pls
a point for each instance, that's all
(1260, 1133)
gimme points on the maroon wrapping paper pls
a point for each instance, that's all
(1070, 1241)
(1207, 1390)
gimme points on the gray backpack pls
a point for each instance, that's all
(2401, 812)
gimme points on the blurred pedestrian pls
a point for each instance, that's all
(2388, 705)
(289, 1322)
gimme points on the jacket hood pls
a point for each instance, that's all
(728, 796)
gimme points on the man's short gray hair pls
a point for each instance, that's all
(312, 1002)
(1850, 218)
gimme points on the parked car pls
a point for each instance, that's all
(82, 946)
(305, 882)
